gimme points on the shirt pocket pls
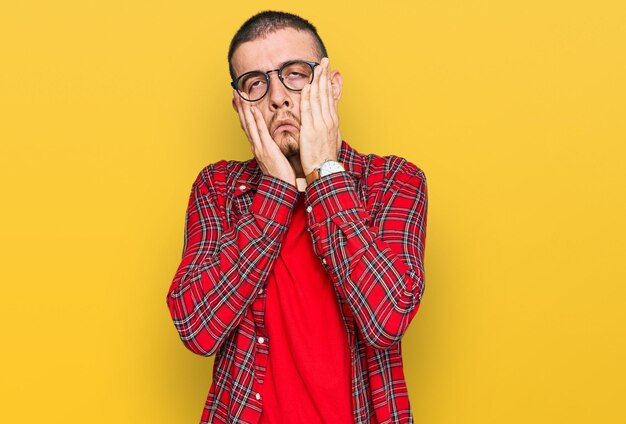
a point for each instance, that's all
(241, 200)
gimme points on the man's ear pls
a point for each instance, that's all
(337, 84)
(234, 105)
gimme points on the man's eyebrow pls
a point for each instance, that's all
(279, 65)
(290, 60)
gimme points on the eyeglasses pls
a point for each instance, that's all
(254, 85)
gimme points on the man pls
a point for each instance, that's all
(302, 267)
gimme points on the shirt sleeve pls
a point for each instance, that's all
(222, 268)
(375, 260)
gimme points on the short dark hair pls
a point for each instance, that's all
(265, 23)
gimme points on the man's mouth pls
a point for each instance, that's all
(286, 125)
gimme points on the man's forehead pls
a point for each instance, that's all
(273, 49)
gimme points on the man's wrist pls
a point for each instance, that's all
(274, 199)
(331, 195)
(325, 168)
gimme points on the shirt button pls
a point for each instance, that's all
(309, 209)
(242, 187)
(260, 291)
(258, 396)
(261, 340)
(324, 261)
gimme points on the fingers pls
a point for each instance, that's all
(240, 112)
(317, 104)
(332, 103)
(316, 109)
(252, 122)
(262, 130)
(324, 94)
(268, 154)
(248, 124)
(306, 118)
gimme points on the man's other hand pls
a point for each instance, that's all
(265, 150)
(320, 138)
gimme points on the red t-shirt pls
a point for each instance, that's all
(308, 376)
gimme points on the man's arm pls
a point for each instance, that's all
(222, 269)
(376, 262)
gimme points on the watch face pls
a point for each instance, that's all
(330, 167)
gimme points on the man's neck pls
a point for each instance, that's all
(297, 166)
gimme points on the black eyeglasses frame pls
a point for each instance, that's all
(234, 83)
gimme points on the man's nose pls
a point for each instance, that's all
(278, 94)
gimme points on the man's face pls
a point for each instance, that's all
(280, 107)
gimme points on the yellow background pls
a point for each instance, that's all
(515, 110)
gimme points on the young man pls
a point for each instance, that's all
(302, 267)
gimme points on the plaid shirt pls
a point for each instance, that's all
(368, 227)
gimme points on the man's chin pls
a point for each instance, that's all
(288, 144)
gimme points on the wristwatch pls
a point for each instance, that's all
(326, 168)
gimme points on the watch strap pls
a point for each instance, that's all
(312, 176)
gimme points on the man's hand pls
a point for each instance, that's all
(320, 139)
(265, 150)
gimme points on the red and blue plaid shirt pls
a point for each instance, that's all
(368, 227)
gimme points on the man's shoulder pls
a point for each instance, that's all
(389, 167)
(225, 173)
(228, 171)
(391, 163)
